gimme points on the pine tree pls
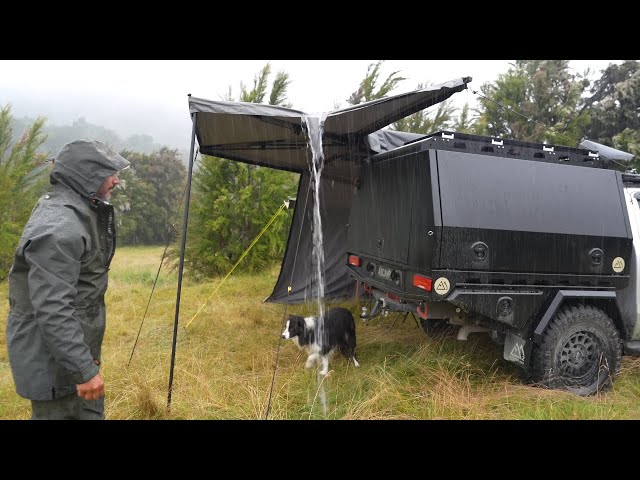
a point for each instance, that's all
(535, 101)
(151, 191)
(23, 178)
(233, 201)
(613, 108)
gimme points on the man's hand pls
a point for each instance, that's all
(91, 390)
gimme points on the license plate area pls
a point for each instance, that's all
(384, 272)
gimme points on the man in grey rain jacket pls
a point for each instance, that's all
(57, 284)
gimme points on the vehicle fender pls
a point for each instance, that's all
(559, 299)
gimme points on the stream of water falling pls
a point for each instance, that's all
(315, 129)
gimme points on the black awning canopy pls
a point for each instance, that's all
(276, 137)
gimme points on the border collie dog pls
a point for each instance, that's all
(339, 333)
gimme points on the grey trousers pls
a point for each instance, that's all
(71, 407)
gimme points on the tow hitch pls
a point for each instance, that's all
(375, 311)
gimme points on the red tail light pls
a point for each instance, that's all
(354, 260)
(422, 282)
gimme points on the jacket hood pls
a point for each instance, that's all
(83, 165)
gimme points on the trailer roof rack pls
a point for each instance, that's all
(469, 143)
(631, 178)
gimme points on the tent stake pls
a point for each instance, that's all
(185, 220)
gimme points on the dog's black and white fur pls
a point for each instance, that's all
(339, 333)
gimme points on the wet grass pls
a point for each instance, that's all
(225, 361)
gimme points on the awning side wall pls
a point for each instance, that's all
(297, 267)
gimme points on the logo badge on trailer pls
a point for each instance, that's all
(442, 286)
(618, 264)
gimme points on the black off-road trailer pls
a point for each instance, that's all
(531, 243)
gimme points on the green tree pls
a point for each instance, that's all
(537, 101)
(629, 141)
(464, 123)
(23, 178)
(151, 190)
(426, 121)
(233, 201)
(613, 107)
(369, 88)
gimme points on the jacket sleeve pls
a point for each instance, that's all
(54, 259)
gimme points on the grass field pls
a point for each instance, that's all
(225, 360)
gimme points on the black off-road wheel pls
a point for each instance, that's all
(580, 352)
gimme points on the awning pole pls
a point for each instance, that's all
(185, 220)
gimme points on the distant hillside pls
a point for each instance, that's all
(59, 135)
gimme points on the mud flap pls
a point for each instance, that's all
(517, 350)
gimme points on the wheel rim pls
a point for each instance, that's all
(579, 358)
